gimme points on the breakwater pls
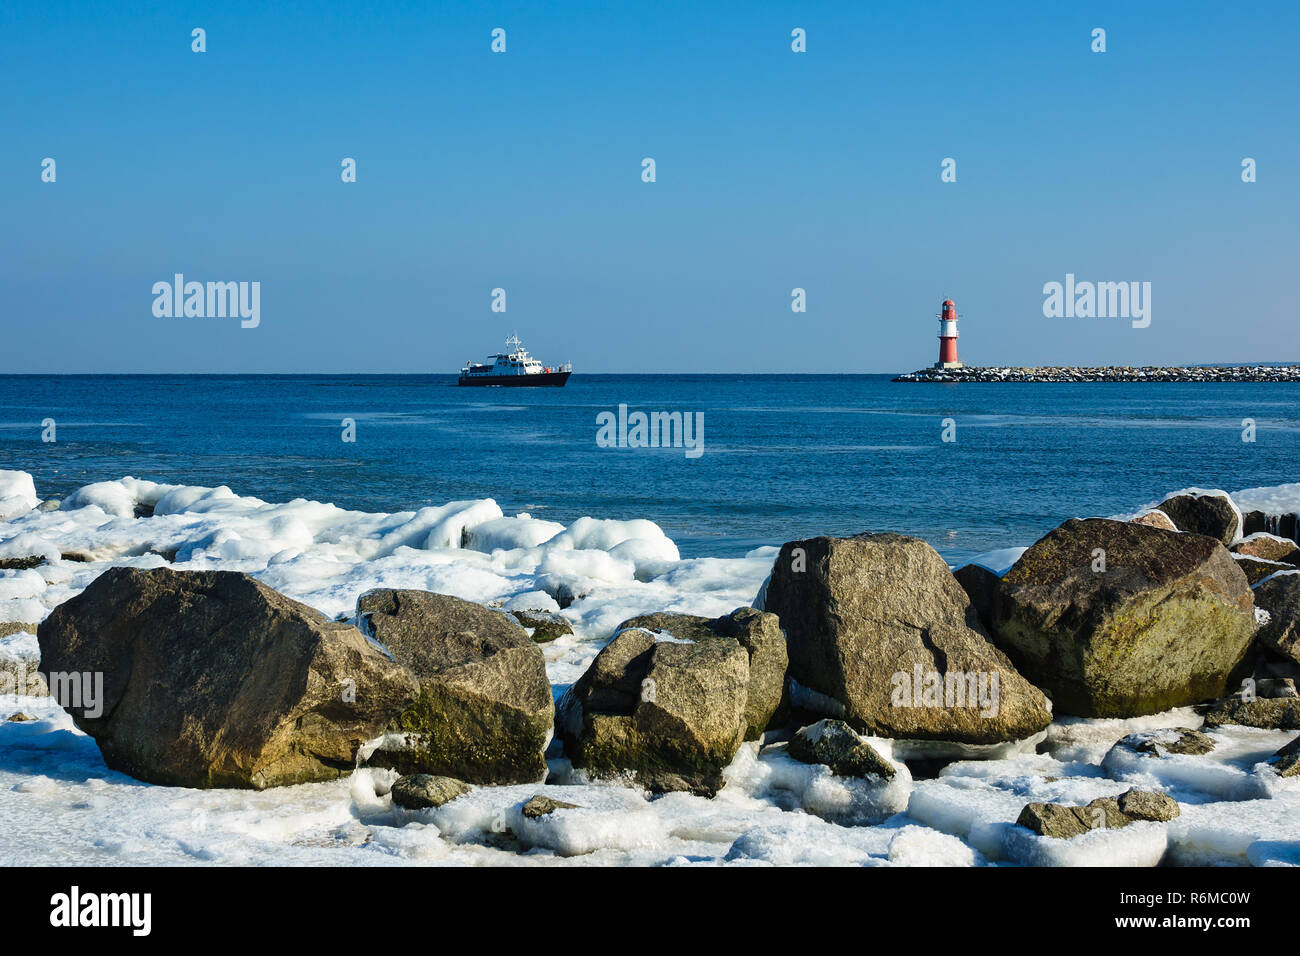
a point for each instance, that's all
(1073, 373)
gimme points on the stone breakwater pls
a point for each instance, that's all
(1109, 373)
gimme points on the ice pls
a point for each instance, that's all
(1240, 833)
(532, 601)
(999, 561)
(504, 534)
(18, 646)
(1273, 500)
(604, 818)
(17, 494)
(606, 535)
(326, 556)
(852, 801)
(800, 841)
(116, 498)
(15, 585)
(1227, 773)
(921, 846)
(1089, 740)
(1138, 844)
(979, 801)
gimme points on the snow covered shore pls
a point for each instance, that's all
(59, 803)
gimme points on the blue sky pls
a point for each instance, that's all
(522, 170)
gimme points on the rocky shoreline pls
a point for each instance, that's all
(864, 666)
(1073, 373)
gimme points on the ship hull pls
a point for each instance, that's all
(540, 380)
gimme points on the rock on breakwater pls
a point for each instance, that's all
(1109, 373)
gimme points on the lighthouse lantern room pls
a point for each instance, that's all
(948, 337)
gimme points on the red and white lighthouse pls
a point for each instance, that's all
(948, 337)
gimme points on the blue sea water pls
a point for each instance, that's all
(785, 456)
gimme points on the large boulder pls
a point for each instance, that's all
(484, 711)
(767, 698)
(1211, 514)
(1116, 619)
(1149, 805)
(1280, 597)
(666, 711)
(1269, 547)
(212, 679)
(882, 636)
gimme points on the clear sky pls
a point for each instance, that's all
(523, 170)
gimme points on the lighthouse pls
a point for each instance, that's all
(948, 337)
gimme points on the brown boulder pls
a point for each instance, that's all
(767, 699)
(484, 710)
(1116, 619)
(1280, 597)
(883, 637)
(1268, 547)
(212, 679)
(669, 713)
(1213, 515)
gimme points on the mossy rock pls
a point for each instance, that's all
(484, 710)
(1116, 619)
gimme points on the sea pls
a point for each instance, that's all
(969, 467)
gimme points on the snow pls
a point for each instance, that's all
(1226, 773)
(852, 801)
(59, 803)
(17, 494)
(1089, 740)
(999, 561)
(1138, 844)
(1258, 832)
(1273, 500)
(920, 846)
(532, 601)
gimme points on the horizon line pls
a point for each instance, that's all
(453, 375)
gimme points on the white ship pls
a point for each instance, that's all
(514, 368)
